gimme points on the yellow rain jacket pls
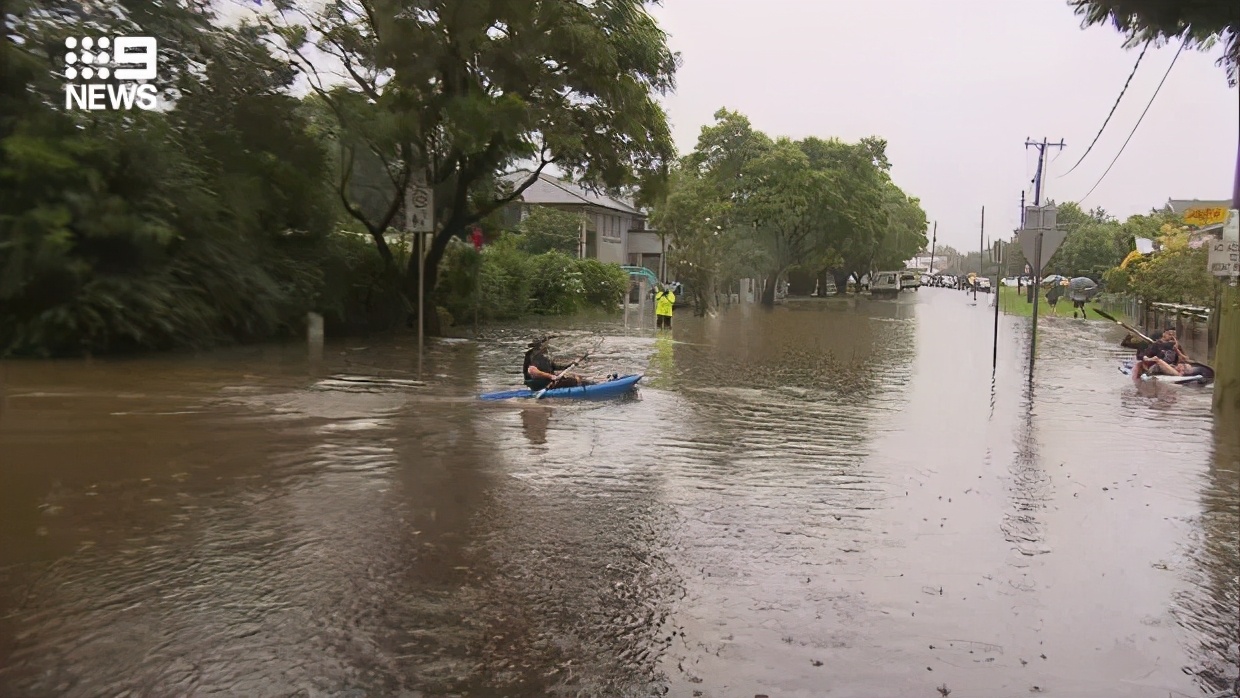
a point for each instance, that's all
(663, 301)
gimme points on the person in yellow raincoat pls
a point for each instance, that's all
(664, 299)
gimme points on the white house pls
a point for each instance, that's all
(613, 229)
(922, 263)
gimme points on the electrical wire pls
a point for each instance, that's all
(1134, 128)
(1113, 107)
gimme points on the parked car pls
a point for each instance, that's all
(909, 280)
(983, 284)
(885, 284)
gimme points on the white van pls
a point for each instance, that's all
(885, 284)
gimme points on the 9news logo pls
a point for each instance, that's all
(92, 61)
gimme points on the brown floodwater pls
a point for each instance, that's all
(828, 498)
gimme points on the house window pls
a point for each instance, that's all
(611, 227)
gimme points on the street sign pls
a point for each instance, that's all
(1224, 258)
(419, 215)
(996, 252)
(1041, 217)
(1205, 215)
(1051, 240)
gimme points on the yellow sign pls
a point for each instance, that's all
(1202, 217)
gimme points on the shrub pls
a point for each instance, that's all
(549, 230)
(459, 275)
(604, 284)
(504, 282)
(555, 284)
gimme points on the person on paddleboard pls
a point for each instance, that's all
(540, 371)
(1165, 357)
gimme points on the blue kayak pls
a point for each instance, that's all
(598, 391)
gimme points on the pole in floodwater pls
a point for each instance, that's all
(981, 254)
(1000, 253)
(933, 240)
(1037, 282)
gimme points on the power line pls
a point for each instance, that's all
(1134, 128)
(1113, 106)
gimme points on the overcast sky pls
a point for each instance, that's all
(956, 86)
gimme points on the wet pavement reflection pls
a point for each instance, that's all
(831, 497)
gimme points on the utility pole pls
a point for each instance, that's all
(1042, 230)
(1037, 177)
(934, 239)
(981, 253)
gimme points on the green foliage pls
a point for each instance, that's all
(547, 229)
(743, 204)
(604, 284)
(512, 283)
(458, 290)
(202, 223)
(505, 282)
(1175, 274)
(1200, 23)
(556, 286)
(468, 91)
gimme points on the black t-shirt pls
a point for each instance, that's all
(1163, 350)
(539, 361)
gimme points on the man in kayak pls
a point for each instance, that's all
(540, 371)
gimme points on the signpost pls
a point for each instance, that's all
(420, 219)
(1039, 241)
(996, 253)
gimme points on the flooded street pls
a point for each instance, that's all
(828, 498)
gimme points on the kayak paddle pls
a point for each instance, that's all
(558, 376)
(1131, 329)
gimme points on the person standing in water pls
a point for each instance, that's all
(664, 299)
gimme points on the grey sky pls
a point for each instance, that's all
(955, 86)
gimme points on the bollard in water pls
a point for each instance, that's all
(314, 335)
(641, 305)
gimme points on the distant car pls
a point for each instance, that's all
(909, 280)
(983, 284)
(1011, 281)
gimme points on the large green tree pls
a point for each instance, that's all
(190, 225)
(462, 92)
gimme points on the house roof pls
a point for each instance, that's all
(549, 190)
(1179, 206)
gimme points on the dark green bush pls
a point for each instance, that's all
(555, 284)
(604, 284)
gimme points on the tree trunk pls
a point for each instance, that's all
(800, 283)
(768, 293)
(434, 255)
(841, 281)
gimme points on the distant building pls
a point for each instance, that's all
(614, 229)
(1205, 216)
(928, 263)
